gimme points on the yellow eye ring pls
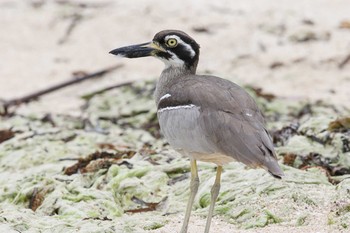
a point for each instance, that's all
(171, 43)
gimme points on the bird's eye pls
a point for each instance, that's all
(171, 43)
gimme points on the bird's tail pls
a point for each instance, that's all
(274, 169)
(278, 176)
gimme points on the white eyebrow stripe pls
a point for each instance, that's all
(164, 97)
(177, 107)
(187, 46)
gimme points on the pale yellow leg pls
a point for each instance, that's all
(193, 188)
(214, 195)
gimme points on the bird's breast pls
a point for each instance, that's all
(181, 127)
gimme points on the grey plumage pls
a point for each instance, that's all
(226, 119)
(204, 117)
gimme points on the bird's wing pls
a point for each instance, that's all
(229, 120)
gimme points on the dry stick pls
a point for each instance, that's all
(35, 95)
(98, 92)
(74, 22)
(343, 63)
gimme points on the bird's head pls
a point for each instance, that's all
(175, 48)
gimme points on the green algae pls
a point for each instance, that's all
(75, 197)
(302, 220)
(96, 202)
(264, 220)
(154, 226)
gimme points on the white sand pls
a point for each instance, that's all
(32, 58)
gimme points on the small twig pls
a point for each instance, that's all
(36, 94)
(76, 18)
(150, 206)
(90, 95)
(84, 4)
(68, 159)
(344, 62)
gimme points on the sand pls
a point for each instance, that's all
(239, 40)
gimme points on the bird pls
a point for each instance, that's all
(204, 117)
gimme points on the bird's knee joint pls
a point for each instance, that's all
(195, 180)
(215, 189)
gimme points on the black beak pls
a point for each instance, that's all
(139, 50)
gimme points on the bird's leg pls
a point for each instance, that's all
(193, 188)
(214, 195)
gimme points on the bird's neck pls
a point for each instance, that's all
(176, 72)
(169, 76)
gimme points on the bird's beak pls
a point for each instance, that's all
(139, 50)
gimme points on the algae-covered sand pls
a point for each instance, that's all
(99, 163)
(129, 180)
